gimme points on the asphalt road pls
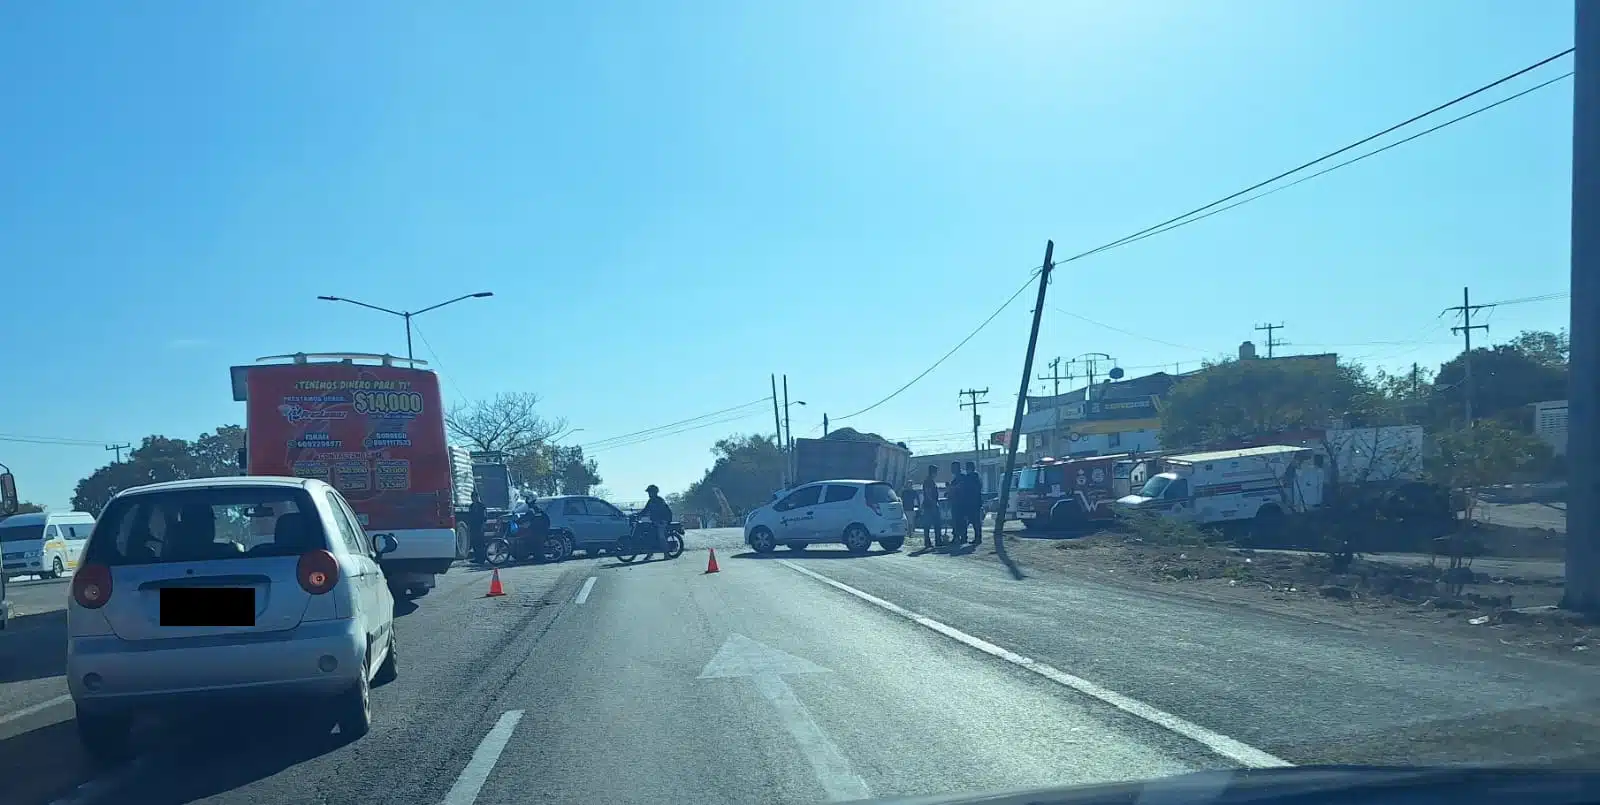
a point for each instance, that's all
(819, 676)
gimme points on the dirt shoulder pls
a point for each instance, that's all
(1514, 612)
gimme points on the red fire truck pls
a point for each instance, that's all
(1060, 494)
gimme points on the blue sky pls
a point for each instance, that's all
(673, 200)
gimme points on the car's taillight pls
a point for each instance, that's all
(317, 571)
(91, 586)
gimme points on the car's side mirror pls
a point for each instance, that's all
(385, 544)
(9, 501)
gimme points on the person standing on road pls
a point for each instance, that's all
(958, 502)
(477, 515)
(973, 494)
(930, 507)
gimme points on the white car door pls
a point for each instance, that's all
(837, 510)
(367, 581)
(797, 514)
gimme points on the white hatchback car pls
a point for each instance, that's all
(852, 513)
(216, 590)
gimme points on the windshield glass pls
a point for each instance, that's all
(21, 532)
(1155, 486)
(433, 254)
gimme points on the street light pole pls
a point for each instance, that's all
(407, 314)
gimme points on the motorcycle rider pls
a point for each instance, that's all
(658, 514)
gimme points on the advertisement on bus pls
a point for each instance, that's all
(375, 433)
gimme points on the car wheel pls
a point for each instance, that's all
(856, 539)
(391, 662)
(57, 570)
(796, 546)
(892, 544)
(762, 541)
(104, 737)
(354, 709)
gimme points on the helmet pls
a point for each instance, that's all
(652, 489)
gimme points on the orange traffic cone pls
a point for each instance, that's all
(495, 590)
(711, 566)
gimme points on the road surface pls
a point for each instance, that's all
(820, 677)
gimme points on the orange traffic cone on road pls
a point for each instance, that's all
(495, 590)
(711, 566)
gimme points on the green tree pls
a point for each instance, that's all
(550, 469)
(158, 459)
(1486, 453)
(28, 508)
(747, 469)
(1531, 368)
(1249, 397)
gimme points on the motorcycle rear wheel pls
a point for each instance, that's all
(674, 546)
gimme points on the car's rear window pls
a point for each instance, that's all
(881, 493)
(196, 525)
(19, 533)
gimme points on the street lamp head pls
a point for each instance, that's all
(799, 402)
(482, 294)
(330, 299)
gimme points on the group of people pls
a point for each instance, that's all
(966, 505)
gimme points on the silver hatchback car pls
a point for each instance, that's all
(222, 589)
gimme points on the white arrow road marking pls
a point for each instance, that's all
(742, 657)
(1235, 750)
(472, 778)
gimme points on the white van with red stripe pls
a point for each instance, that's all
(1262, 484)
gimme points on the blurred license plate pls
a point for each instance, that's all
(208, 606)
(1027, 515)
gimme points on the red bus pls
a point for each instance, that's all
(371, 428)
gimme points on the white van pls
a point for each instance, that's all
(46, 544)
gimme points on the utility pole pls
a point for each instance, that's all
(1271, 342)
(973, 402)
(1016, 419)
(1055, 374)
(788, 432)
(824, 425)
(1466, 309)
(777, 420)
(1583, 424)
(118, 448)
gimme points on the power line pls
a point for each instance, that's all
(736, 417)
(1125, 332)
(51, 440)
(1180, 220)
(1525, 299)
(1025, 285)
(1165, 226)
(448, 376)
(1241, 202)
(656, 431)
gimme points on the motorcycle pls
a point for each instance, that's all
(527, 536)
(641, 541)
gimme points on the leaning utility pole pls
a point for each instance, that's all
(973, 402)
(777, 420)
(1466, 309)
(1016, 419)
(1583, 395)
(118, 448)
(1271, 342)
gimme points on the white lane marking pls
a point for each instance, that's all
(465, 791)
(34, 708)
(1232, 749)
(742, 657)
(583, 594)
